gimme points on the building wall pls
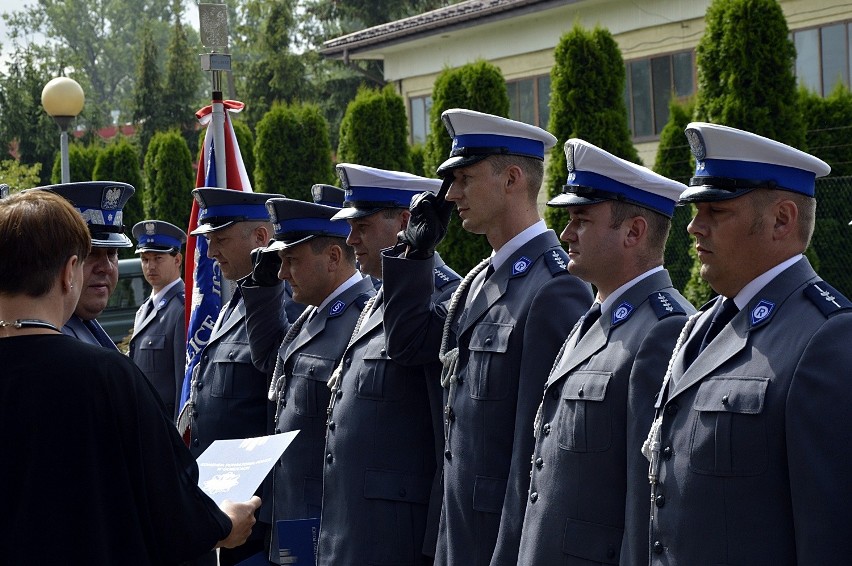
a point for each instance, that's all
(642, 29)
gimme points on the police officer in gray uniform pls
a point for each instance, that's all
(749, 448)
(588, 491)
(320, 267)
(158, 344)
(228, 395)
(100, 203)
(380, 444)
(501, 331)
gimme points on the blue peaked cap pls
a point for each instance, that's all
(158, 236)
(595, 175)
(731, 162)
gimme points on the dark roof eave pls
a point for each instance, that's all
(373, 38)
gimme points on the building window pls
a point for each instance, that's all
(529, 100)
(420, 107)
(651, 83)
(823, 57)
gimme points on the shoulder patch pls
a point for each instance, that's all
(664, 305)
(827, 299)
(557, 260)
(444, 276)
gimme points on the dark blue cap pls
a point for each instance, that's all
(100, 203)
(220, 208)
(329, 195)
(297, 221)
(158, 236)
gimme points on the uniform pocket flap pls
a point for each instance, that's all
(375, 350)
(488, 494)
(733, 394)
(592, 541)
(309, 366)
(490, 337)
(153, 342)
(586, 385)
(235, 352)
(397, 486)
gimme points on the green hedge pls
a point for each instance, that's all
(374, 131)
(586, 102)
(292, 151)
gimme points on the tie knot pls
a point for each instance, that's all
(726, 311)
(590, 317)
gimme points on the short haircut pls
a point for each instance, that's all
(533, 170)
(321, 243)
(390, 213)
(39, 232)
(658, 226)
(764, 198)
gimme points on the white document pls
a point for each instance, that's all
(234, 469)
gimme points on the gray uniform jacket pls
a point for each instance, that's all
(307, 362)
(89, 331)
(597, 408)
(231, 394)
(508, 337)
(380, 455)
(158, 345)
(755, 438)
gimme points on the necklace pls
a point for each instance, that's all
(28, 323)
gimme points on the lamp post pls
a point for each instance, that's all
(63, 99)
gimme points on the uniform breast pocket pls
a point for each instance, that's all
(234, 375)
(585, 419)
(149, 349)
(375, 378)
(309, 376)
(489, 341)
(729, 431)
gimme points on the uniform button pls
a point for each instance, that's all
(448, 455)
(206, 358)
(195, 442)
(331, 425)
(657, 547)
(671, 410)
(667, 452)
(230, 355)
(311, 370)
(546, 429)
(329, 458)
(539, 463)
(580, 392)
(660, 500)
(383, 353)
(200, 385)
(534, 496)
(402, 492)
(339, 393)
(194, 414)
(348, 362)
(725, 400)
(150, 342)
(277, 431)
(488, 341)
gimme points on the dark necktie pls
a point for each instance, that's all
(489, 272)
(589, 319)
(723, 315)
(149, 306)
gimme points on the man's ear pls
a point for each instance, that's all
(786, 219)
(404, 218)
(637, 227)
